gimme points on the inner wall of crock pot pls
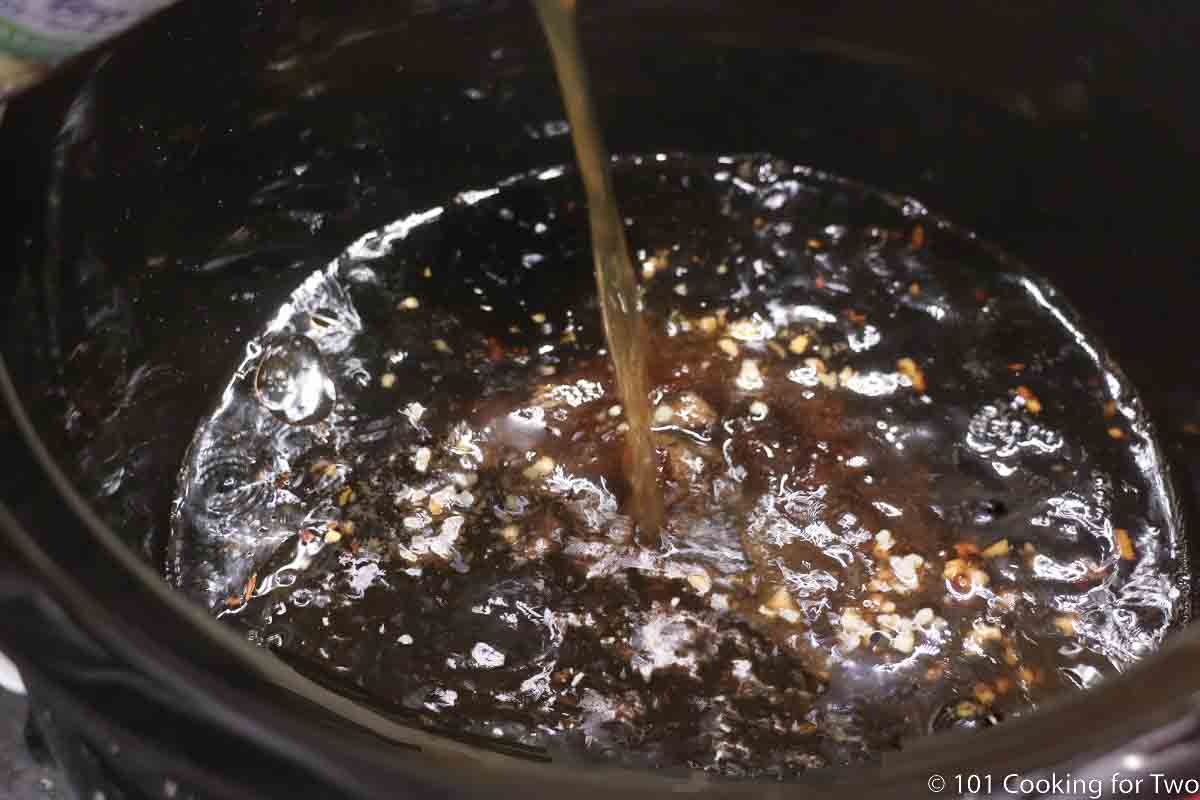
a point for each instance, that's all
(220, 156)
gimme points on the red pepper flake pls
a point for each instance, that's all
(1031, 401)
(856, 317)
(1192, 428)
(819, 282)
(306, 535)
(233, 602)
(250, 586)
(813, 244)
(1124, 544)
(1110, 409)
(1116, 433)
(495, 350)
(1017, 366)
(909, 368)
(914, 289)
(918, 237)
(980, 296)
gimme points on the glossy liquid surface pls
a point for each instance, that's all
(904, 489)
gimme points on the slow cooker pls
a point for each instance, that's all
(151, 218)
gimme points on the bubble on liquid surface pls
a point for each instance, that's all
(291, 381)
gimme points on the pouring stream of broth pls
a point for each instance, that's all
(620, 300)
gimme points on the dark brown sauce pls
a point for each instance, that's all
(904, 491)
(616, 282)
